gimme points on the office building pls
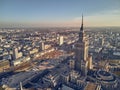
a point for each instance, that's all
(81, 49)
(16, 54)
(42, 46)
(90, 65)
(61, 40)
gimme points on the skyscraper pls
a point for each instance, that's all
(61, 40)
(16, 54)
(90, 65)
(42, 46)
(81, 49)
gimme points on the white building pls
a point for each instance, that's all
(61, 40)
(16, 54)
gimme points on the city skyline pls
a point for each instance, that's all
(59, 59)
(39, 13)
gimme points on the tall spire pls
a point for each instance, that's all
(81, 33)
(81, 29)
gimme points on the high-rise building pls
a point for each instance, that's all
(90, 65)
(0, 38)
(21, 88)
(42, 46)
(81, 49)
(61, 40)
(101, 41)
(16, 54)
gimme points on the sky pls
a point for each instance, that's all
(42, 13)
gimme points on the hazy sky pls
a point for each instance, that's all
(39, 13)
